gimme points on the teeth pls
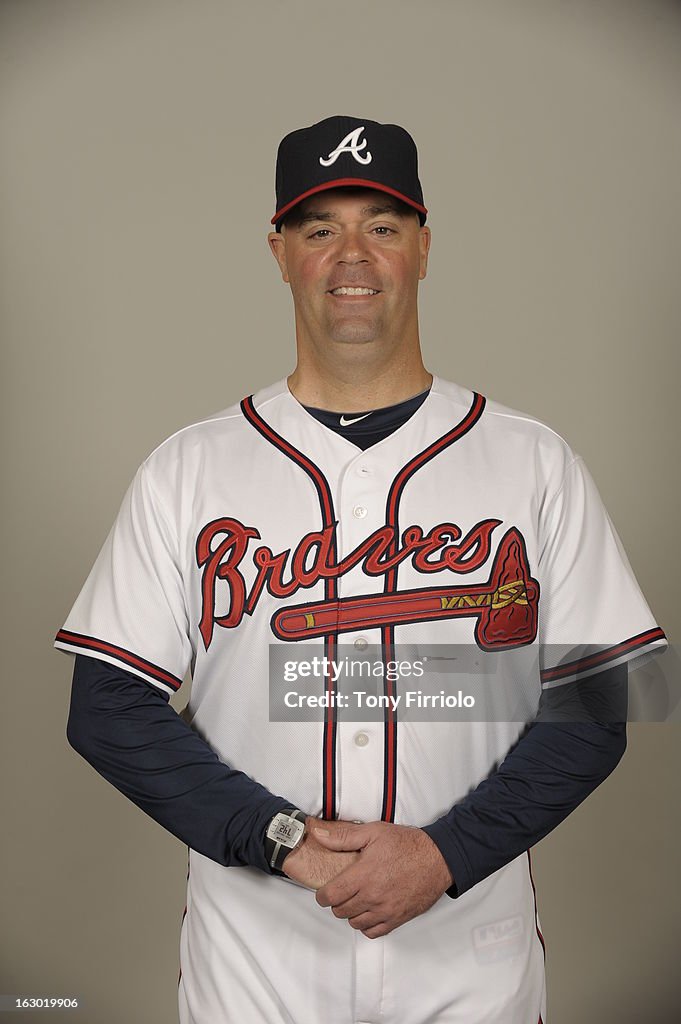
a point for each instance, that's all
(354, 291)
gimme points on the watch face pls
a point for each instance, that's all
(285, 830)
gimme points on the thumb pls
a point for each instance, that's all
(344, 837)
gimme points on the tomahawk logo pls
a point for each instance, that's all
(350, 144)
(505, 605)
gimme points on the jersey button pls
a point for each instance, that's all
(363, 470)
(361, 739)
(359, 511)
(361, 643)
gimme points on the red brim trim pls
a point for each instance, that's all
(339, 183)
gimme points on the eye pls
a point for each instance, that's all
(320, 232)
(384, 231)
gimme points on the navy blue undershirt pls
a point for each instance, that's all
(128, 731)
(367, 428)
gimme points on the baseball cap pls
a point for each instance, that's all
(342, 151)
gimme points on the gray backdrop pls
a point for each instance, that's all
(138, 294)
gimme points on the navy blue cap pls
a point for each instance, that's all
(344, 151)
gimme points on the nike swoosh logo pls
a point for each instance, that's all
(344, 422)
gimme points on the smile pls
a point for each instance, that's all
(354, 291)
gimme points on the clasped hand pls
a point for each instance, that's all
(377, 875)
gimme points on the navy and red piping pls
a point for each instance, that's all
(390, 587)
(536, 914)
(602, 658)
(536, 918)
(184, 913)
(91, 644)
(330, 592)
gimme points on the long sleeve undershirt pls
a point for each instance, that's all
(575, 742)
(128, 731)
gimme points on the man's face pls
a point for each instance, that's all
(353, 239)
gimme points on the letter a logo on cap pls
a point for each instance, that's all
(350, 144)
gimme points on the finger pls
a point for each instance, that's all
(343, 886)
(365, 921)
(349, 837)
(338, 890)
(352, 907)
(378, 930)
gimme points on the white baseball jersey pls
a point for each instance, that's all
(470, 524)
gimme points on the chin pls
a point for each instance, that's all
(358, 339)
(354, 334)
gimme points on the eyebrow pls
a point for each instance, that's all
(366, 211)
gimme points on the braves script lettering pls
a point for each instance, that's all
(223, 544)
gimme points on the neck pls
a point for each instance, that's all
(357, 384)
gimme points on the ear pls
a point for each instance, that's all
(277, 244)
(424, 248)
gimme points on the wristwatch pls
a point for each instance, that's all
(284, 833)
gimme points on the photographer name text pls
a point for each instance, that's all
(360, 699)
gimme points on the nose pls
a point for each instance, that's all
(353, 247)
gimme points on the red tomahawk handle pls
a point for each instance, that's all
(506, 606)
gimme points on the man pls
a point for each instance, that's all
(361, 504)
